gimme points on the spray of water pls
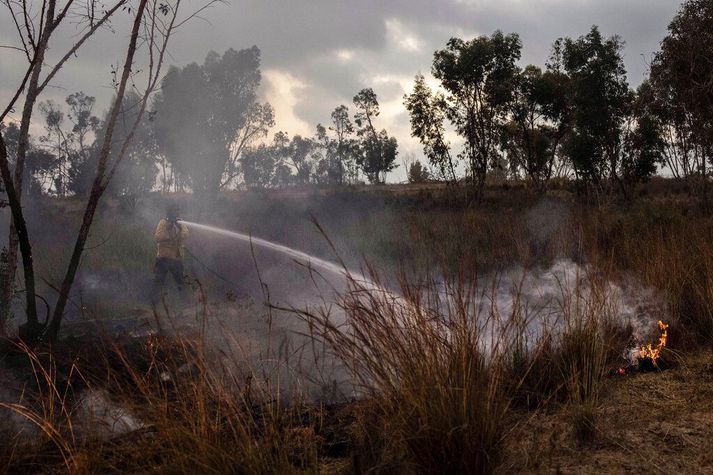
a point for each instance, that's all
(304, 258)
(541, 295)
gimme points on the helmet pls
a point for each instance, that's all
(172, 211)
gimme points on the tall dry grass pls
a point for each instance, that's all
(439, 371)
(164, 406)
(442, 367)
(438, 389)
(668, 247)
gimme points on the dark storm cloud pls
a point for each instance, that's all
(332, 48)
(304, 37)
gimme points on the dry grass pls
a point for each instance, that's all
(443, 367)
(444, 382)
(435, 369)
(666, 246)
(184, 412)
(648, 423)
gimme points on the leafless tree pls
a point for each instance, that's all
(34, 39)
(155, 31)
(154, 23)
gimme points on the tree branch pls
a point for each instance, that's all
(79, 43)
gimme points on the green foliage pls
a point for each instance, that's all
(479, 78)
(207, 114)
(684, 62)
(538, 124)
(136, 174)
(258, 165)
(40, 162)
(64, 161)
(298, 153)
(57, 143)
(599, 99)
(377, 151)
(642, 150)
(66, 147)
(332, 156)
(428, 112)
(11, 135)
(417, 173)
(682, 89)
(342, 150)
(66, 144)
(284, 162)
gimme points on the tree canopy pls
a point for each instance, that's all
(207, 114)
(478, 77)
(377, 150)
(681, 88)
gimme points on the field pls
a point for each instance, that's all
(491, 337)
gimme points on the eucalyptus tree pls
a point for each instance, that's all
(539, 122)
(137, 175)
(599, 100)
(69, 134)
(206, 115)
(642, 147)
(682, 81)
(479, 78)
(336, 150)
(299, 156)
(377, 150)
(343, 147)
(427, 113)
(258, 164)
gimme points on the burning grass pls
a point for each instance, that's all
(436, 388)
(647, 357)
(440, 372)
(651, 423)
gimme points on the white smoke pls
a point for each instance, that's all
(99, 417)
(530, 303)
(535, 303)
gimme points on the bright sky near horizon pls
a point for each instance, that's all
(316, 54)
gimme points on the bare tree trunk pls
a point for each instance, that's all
(18, 229)
(32, 328)
(19, 238)
(99, 184)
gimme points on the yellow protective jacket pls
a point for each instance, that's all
(170, 240)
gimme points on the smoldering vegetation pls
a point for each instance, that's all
(516, 307)
(276, 366)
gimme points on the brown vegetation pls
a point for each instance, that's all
(437, 388)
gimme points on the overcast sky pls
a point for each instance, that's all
(316, 54)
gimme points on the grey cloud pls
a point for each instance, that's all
(301, 38)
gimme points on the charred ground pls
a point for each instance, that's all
(564, 409)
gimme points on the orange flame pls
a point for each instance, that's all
(649, 351)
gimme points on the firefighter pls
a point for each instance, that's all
(170, 235)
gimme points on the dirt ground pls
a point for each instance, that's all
(647, 423)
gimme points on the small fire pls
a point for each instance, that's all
(651, 352)
(645, 357)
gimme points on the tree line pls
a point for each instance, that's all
(577, 117)
(205, 132)
(202, 127)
